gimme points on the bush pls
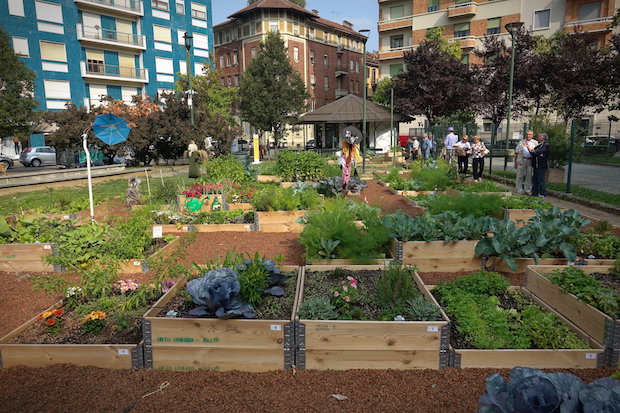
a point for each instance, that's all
(276, 198)
(225, 168)
(558, 139)
(301, 166)
(465, 204)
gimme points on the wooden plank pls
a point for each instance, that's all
(438, 249)
(356, 359)
(547, 359)
(290, 184)
(295, 228)
(268, 178)
(240, 206)
(221, 359)
(584, 316)
(523, 263)
(131, 267)
(380, 263)
(62, 217)
(372, 335)
(109, 356)
(445, 264)
(25, 266)
(279, 217)
(24, 252)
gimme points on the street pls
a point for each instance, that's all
(19, 168)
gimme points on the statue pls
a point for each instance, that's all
(132, 196)
(196, 157)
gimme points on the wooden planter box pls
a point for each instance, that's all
(108, 356)
(213, 344)
(593, 357)
(379, 263)
(341, 344)
(279, 221)
(410, 250)
(594, 322)
(207, 199)
(62, 217)
(268, 178)
(516, 215)
(174, 229)
(26, 257)
(240, 206)
(290, 184)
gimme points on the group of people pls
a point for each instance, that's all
(531, 163)
(462, 150)
(424, 150)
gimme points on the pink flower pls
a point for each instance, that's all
(336, 294)
(350, 278)
(347, 298)
(345, 288)
(354, 283)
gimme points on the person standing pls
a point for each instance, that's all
(448, 143)
(523, 163)
(478, 151)
(463, 150)
(540, 162)
(427, 147)
(415, 149)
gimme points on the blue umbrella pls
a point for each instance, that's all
(111, 129)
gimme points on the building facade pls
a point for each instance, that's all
(403, 23)
(83, 49)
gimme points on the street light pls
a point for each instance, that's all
(512, 28)
(364, 31)
(188, 45)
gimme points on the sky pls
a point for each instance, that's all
(362, 13)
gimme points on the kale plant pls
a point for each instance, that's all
(218, 293)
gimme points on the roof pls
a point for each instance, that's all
(348, 109)
(285, 4)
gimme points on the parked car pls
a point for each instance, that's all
(8, 162)
(311, 144)
(38, 155)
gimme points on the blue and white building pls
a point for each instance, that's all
(83, 49)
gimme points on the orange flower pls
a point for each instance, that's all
(50, 321)
(58, 312)
(46, 314)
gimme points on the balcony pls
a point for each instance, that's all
(466, 42)
(133, 7)
(468, 9)
(590, 25)
(341, 93)
(104, 71)
(394, 52)
(341, 70)
(394, 24)
(110, 37)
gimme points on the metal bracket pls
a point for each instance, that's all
(1, 359)
(147, 351)
(289, 345)
(147, 332)
(455, 359)
(256, 224)
(444, 344)
(300, 342)
(295, 345)
(137, 357)
(602, 359)
(613, 358)
(57, 268)
(192, 228)
(399, 250)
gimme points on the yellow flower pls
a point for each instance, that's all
(47, 314)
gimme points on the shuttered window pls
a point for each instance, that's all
(53, 51)
(494, 25)
(161, 34)
(201, 41)
(57, 89)
(49, 12)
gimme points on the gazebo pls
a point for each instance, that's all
(331, 119)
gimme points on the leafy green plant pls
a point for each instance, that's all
(334, 186)
(276, 198)
(485, 186)
(317, 308)
(465, 204)
(225, 168)
(419, 309)
(328, 246)
(300, 166)
(598, 242)
(524, 202)
(395, 286)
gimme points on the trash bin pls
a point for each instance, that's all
(243, 157)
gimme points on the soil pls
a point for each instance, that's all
(65, 388)
(434, 278)
(209, 246)
(608, 281)
(380, 196)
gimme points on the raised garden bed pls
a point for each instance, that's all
(268, 178)
(371, 344)
(280, 221)
(598, 325)
(490, 329)
(182, 343)
(206, 202)
(25, 257)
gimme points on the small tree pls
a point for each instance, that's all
(16, 91)
(381, 92)
(272, 93)
(436, 34)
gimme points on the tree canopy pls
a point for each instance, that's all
(16, 92)
(272, 94)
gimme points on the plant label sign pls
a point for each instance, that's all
(276, 327)
(47, 247)
(432, 329)
(158, 231)
(590, 356)
(123, 352)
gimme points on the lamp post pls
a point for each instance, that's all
(364, 31)
(190, 93)
(512, 28)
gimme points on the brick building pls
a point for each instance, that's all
(328, 55)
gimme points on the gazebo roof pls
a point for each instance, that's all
(348, 109)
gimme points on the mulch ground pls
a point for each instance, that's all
(77, 389)
(380, 196)
(209, 246)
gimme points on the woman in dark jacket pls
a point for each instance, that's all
(540, 162)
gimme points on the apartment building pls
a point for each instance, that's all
(328, 55)
(83, 49)
(403, 24)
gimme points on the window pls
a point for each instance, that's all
(161, 34)
(53, 51)
(223, 80)
(590, 11)
(236, 80)
(357, 86)
(325, 37)
(180, 6)
(311, 32)
(221, 61)
(16, 8)
(461, 30)
(94, 61)
(253, 51)
(228, 59)
(357, 67)
(326, 82)
(273, 26)
(494, 26)
(296, 54)
(180, 38)
(325, 60)
(397, 12)
(230, 81)
(396, 69)
(351, 65)
(20, 45)
(49, 12)
(57, 89)
(433, 5)
(312, 80)
(201, 41)
(220, 38)
(311, 57)
(396, 41)
(296, 29)
(541, 19)
(235, 58)
(199, 11)
(163, 65)
(160, 4)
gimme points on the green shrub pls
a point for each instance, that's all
(599, 242)
(275, 198)
(465, 204)
(395, 286)
(317, 308)
(224, 168)
(300, 166)
(524, 202)
(486, 186)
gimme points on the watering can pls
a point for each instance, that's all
(194, 204)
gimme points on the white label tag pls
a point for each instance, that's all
(123, 352)
(66, 217)
(136, 263)
(432, 329)
(591, 356)
(158, 232)
(47, 247)
(185, 228)
(276, 327)
(246, 226)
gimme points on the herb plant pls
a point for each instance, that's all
(300, 166)
(317, 308)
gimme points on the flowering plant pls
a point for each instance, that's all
(346, 293)
(94, 322)
(166, 286)
(240, 194)
(126, 285)
(197, 190)
(52, 320)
